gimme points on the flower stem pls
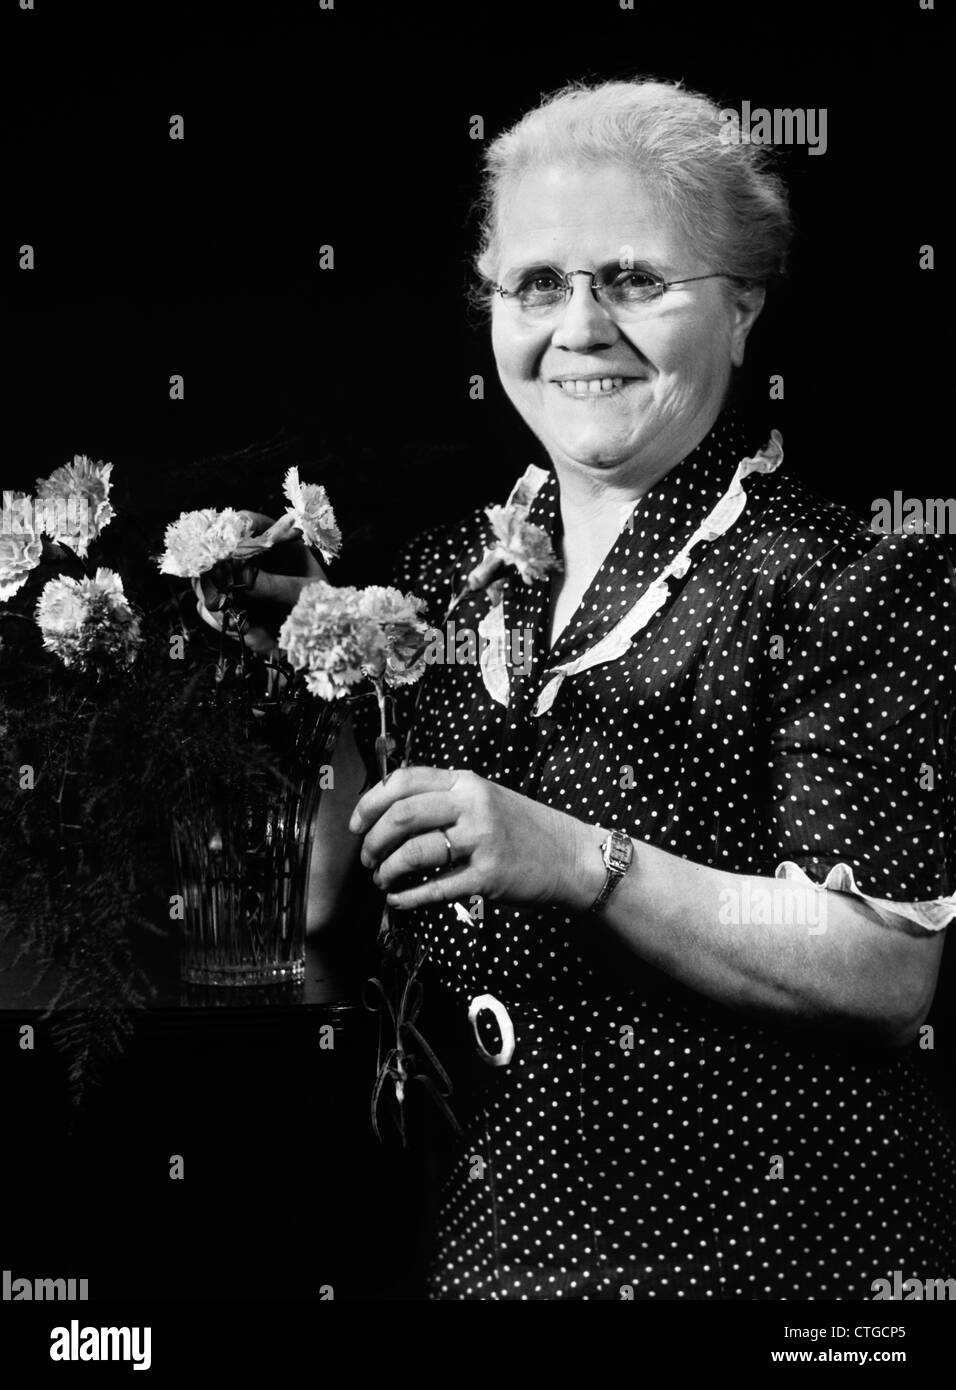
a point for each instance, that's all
(407, 754)
(381, 743)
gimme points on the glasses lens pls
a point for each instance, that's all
(545, 292)
(541, 292)
(633, 288)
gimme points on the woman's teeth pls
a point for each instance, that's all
(596, 386)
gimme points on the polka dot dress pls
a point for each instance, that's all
(783, 705)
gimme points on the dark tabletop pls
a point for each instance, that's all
(265, 1095)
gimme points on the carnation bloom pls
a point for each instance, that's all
(61, 609)
(521, 544)
(312, 513)
(406, 632)
(77, 498)
(20, 551)
(338, 635)
(517, 542)
(88, 623)
(199, 540)
(327, 636)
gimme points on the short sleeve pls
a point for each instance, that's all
(861, 759)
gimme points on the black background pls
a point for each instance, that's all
(350, 127)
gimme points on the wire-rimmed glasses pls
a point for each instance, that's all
(545, 290)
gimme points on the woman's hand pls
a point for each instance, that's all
(272, 566)
(505, 847)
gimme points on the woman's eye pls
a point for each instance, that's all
(635, 280)
(541, 282)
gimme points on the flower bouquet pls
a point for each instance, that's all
(161, 760)
(182, 719)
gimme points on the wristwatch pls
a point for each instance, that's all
(618, 851)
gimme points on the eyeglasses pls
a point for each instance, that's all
(547, 290)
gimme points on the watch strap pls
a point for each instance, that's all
(617, 851)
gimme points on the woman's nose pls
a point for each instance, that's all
(584, 322)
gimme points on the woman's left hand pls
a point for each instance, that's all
(273, 565)
(504, 846)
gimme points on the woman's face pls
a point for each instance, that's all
(674, 361)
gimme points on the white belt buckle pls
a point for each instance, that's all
(505, 1026)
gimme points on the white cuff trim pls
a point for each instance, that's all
(933, 914)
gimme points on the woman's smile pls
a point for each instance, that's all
(593, 389)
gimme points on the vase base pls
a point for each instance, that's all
(244, 976)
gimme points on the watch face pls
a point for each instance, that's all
(619, 853)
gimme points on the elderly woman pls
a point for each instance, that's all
(705, 820)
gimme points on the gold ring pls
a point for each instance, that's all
(451, 852)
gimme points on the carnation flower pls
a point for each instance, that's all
(199, 540)
(20, 551)
(330, 639)
(406, 632)
(388, 606)
(88, 623)
(61, 608)
(519, 543)
(77, 497)
(312, 513)
(339, 635)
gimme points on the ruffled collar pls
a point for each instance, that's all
(696, 500)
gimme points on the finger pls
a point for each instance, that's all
(413, 815)
(214, 620)
(207, 594)
(277, 534)
(443, 888)
(253, 546)
(260, 522)
(419, 855)
(286, 532)
(405, 781)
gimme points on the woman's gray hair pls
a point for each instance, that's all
(716, 189)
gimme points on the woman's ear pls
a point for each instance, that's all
(746, 304)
